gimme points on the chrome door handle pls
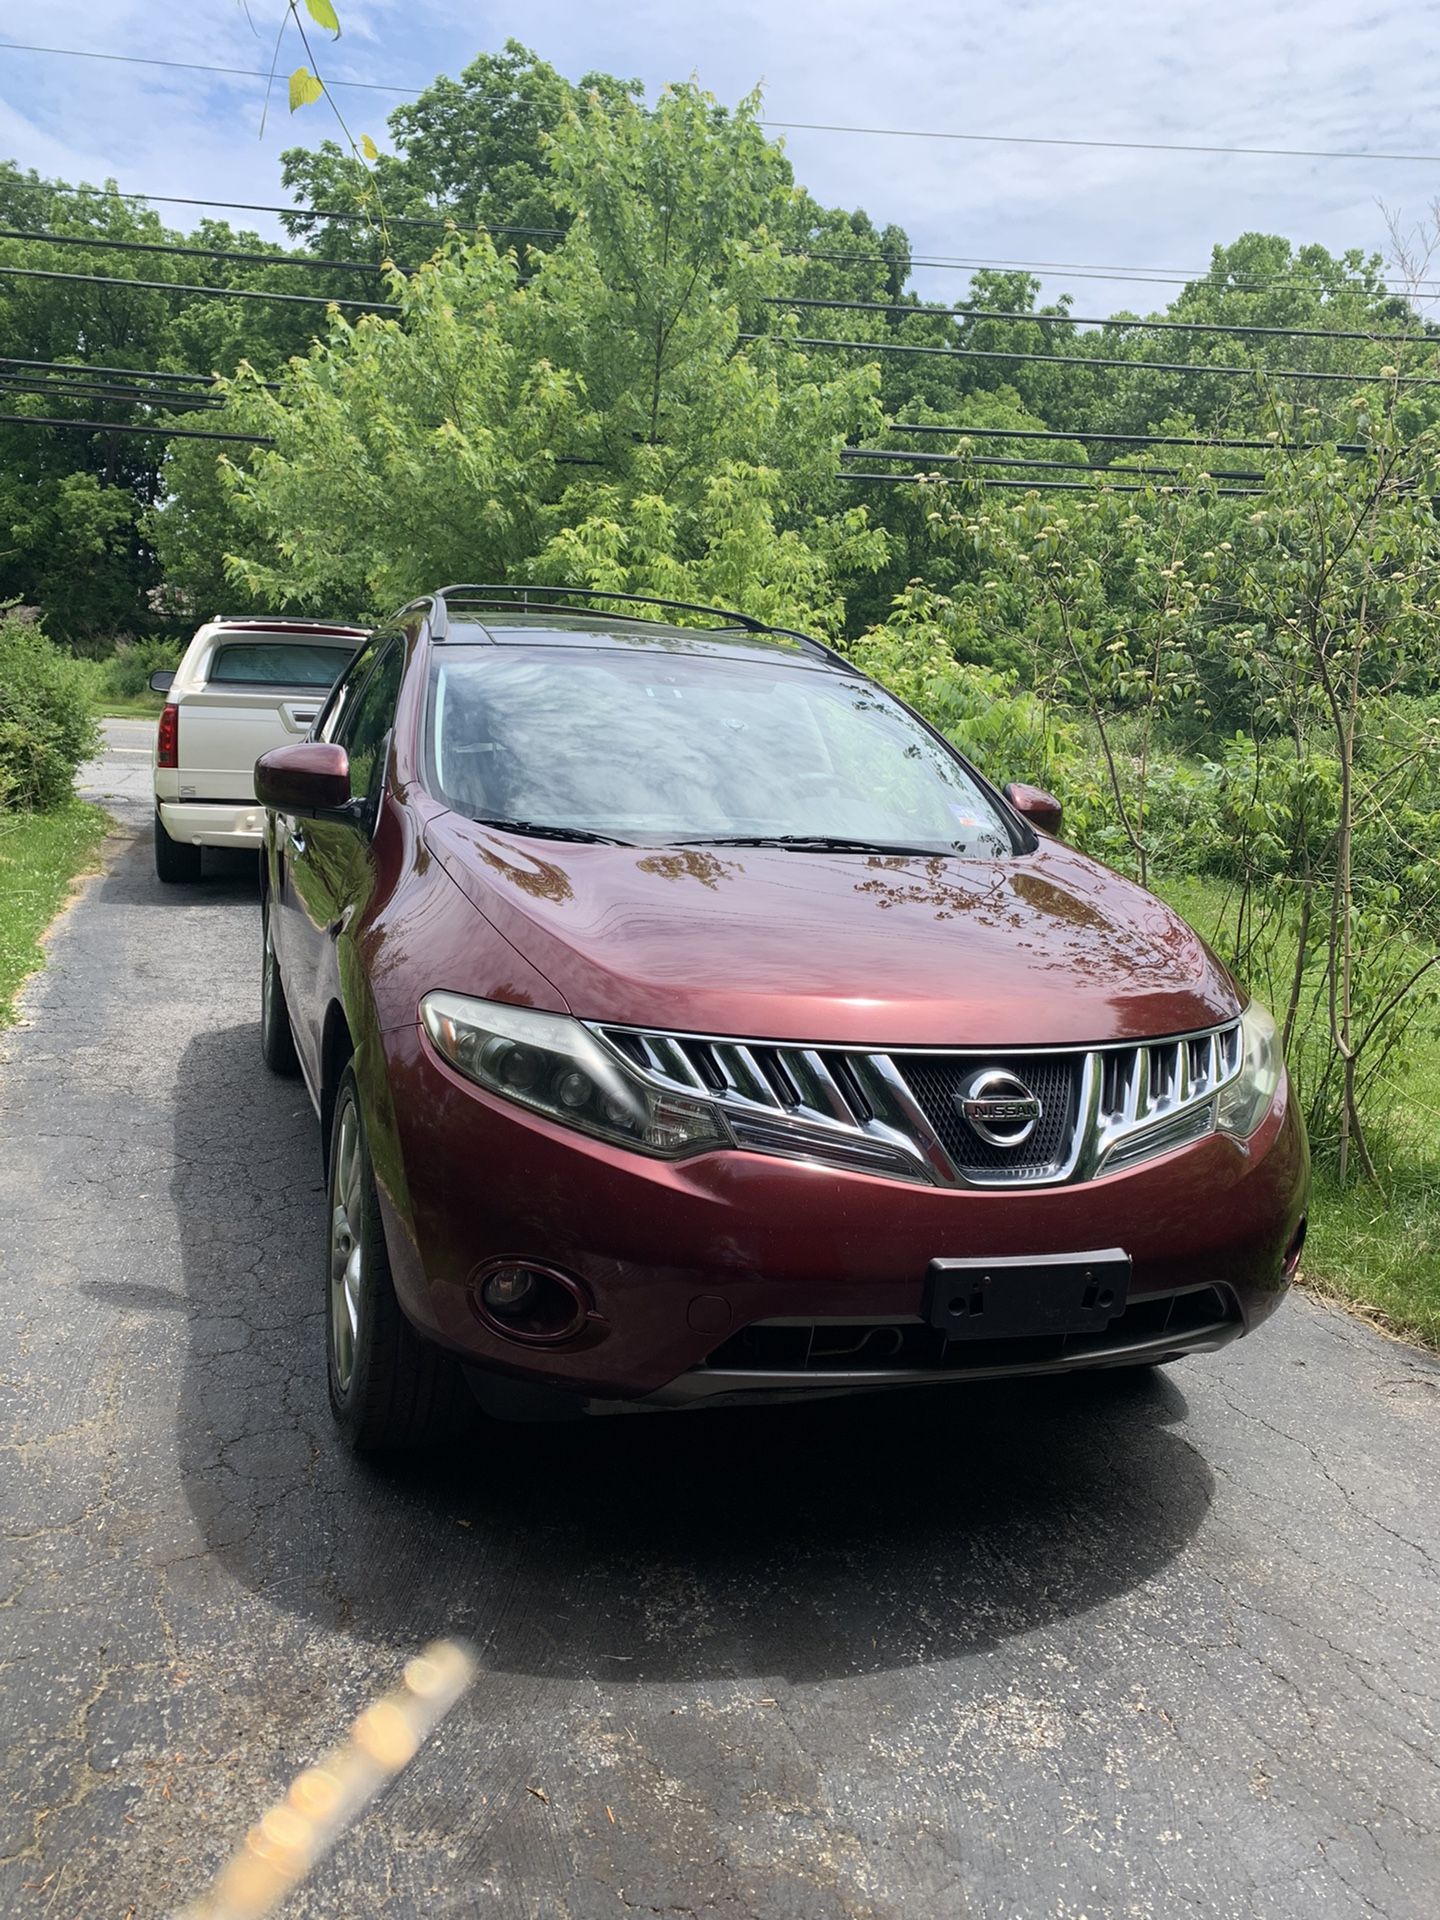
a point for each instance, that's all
(297, 840)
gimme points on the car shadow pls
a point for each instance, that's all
(806, 1542)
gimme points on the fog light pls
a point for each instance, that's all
(508, 1290)
(532, 1304)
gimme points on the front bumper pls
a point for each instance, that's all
(677, 1258)
(213, 823)
(1213, 1323)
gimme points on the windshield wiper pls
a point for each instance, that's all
(542, 831)
(817, 843)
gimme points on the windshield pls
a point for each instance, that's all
(654, 748)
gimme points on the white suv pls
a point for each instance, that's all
(243, 687)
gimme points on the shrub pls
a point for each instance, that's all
(126, 674)
(46, 728)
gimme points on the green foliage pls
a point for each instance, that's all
(74, 505)
(599, 423)
(469, 149)
(45, 725)
(304, 88)
(125, 676)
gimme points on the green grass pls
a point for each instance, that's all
(1380, 1251)
(40, 854)
(1375, 1249)
(145, 707)
(106, 704)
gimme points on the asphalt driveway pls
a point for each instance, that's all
(1037, 1653)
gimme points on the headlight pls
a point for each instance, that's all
(1245, 1102)
(552, 1065)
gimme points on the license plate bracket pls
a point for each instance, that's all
(1012, 1296)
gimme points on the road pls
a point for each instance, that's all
(1036, 1653)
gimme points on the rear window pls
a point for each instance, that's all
(277, 663)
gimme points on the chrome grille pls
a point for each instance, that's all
(938, 1082)
(898, 1112)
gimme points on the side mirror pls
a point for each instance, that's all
(313, 776)
(1041, 809)
(161, 682)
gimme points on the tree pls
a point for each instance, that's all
(599, 422)
(1341, 564)
(471, 150)
(74, 504)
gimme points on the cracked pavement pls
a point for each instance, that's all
(1129, 1648)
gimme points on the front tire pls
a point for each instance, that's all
(177, 862)
(277, 1038)
(389, 1389)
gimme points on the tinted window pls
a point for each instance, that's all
(276, 663)
(347, 689)
(365, 726)
(659, 747)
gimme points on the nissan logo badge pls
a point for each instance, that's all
(999, 1108)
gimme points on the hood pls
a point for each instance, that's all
(1045, 949)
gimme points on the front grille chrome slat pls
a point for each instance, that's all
(667, 1058)
(826, 1089)
(743, 1077)
(901, 1112)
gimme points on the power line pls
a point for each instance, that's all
(190, 66)
(809, 126)
(1154, 276)
(901, 307)
(904, 308)
(116, 426)
(137, 373)
(1040, 486)
(316, 262)
(74, 389)
(200, 433)
(1164, 275)
(212, 293)
(1195, 369)
(893, 479)
(1127, 439)
(1015, 460)
(439, 224)
(128, 373)
(1106, 146)
(73, 381)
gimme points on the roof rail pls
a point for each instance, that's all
(540, 599)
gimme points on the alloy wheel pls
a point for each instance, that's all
(347, 1250)
(267, 977)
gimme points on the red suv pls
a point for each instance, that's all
(688, 1021)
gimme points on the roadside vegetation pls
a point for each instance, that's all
(117, 684)
(47, 836)
(1182, 568)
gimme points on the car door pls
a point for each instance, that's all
(327, 866)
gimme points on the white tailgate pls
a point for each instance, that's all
(223, 734)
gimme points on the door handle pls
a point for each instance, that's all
(297, 841)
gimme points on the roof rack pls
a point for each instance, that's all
(542, 599)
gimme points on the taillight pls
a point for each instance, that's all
(167, 744)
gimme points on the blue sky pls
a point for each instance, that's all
(1292, 73)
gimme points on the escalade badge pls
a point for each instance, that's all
(999, 1108)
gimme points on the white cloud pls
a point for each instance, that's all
(1296, 73)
